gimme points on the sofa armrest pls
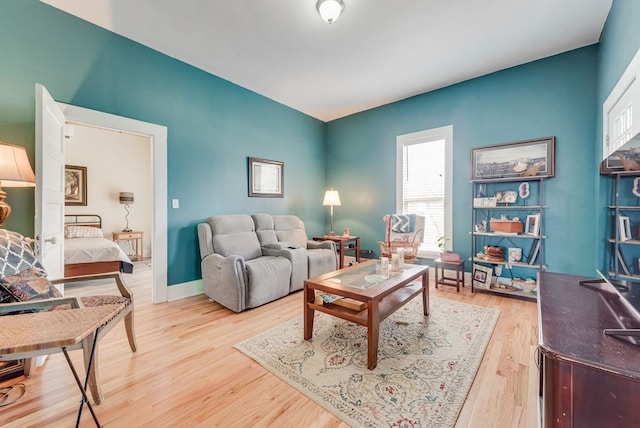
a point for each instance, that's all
(315, 245)
(298, 258)
(224, 280)
(281, 246)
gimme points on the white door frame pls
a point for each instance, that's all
(158, 137)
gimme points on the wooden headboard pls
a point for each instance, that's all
(92, 220)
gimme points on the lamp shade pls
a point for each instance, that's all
(126, 197)
(15, 169)
(331, 198)
(330, 10)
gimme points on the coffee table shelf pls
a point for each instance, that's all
(386, 306)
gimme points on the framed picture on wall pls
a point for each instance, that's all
(75, 185)
(519, 160)
(266, 178)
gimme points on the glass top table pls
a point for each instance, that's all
(365, 276)
(381, 295)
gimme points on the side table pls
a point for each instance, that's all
(340, 241)
(446, 280)
(134, 236)
(34, 334)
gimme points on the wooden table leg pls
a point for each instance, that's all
(309, 297)
(425, 292)
(341, 251)
(358, 250)
(373, 334)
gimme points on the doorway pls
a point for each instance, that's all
(157, 136)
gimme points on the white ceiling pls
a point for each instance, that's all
(379, 51)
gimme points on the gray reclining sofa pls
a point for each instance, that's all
(248, 261)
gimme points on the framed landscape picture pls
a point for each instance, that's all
(75, 185)
(520, 160)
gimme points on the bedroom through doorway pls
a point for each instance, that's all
(113, 162)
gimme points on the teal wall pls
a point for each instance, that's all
(619, 42)
(555, 96)
(213, 125)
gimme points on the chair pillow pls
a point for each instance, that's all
(30, 284)
(403, 223)
(15, 254)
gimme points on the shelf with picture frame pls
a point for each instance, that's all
(624, 226)
(523, 246)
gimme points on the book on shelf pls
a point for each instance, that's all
(533, 252)
(622, 263)
(333, 299)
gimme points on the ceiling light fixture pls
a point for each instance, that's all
(330, 10)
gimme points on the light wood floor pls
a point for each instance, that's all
(186, 372)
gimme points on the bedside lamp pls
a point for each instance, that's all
(126, 198)
(331, 198)
(15, 171)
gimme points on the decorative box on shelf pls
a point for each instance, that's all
(508, 226)
(491, 202)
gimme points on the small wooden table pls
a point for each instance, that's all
(381, 299)
(134, 236)
(441, 278)
(43, 333)
(340, 241)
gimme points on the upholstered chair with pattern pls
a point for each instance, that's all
(402, 231)
(23, 278)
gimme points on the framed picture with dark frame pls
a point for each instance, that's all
(520, 160)
(266, 178)
(75, 185)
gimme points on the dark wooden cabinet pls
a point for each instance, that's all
(587, 378)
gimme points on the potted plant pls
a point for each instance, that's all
(446, 255)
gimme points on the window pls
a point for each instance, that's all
(619, 125)
(424, 182)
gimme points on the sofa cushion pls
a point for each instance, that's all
(289, 228)
(29, 284)
(265, 229)
(268, 280)
(235, 235)
(16, 254)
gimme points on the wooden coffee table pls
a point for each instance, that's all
(381, 298)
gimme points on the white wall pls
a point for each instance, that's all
(116, 162)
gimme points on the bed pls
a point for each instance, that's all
(87, 251)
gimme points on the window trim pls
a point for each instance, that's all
(446, 133)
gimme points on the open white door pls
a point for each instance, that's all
(49, 216)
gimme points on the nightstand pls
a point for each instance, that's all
(134, 236)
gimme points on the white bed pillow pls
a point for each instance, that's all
(72, 231)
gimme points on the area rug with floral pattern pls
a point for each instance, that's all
(426, 365)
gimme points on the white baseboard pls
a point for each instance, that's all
(185, 289)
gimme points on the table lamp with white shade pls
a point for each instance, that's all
(331, 198)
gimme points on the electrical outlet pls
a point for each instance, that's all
(175, 203)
